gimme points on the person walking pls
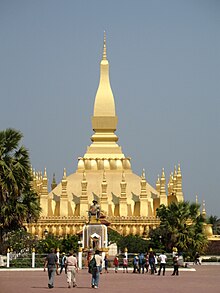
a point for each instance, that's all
(175, 265)
(162, 258)
(155, 263)
(116, 263)
(51, 263)
(197, 259)
(106, 263)
(125, 264)
(135, 264)
(141, 263)
(151, 259)
(71, 265)
(96, 270)
(147, 263)
(62, 262)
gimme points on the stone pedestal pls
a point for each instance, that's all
(95, 236)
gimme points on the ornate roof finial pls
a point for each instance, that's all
(163, 174)
(64, 173)
(196, 199)
(143, 174)
(203, 208)
(104, 55)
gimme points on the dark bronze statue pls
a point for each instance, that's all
(94, 210)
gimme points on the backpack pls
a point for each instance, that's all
(92, 265)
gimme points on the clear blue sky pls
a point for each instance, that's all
(164, 68)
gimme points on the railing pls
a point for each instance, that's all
(35, 260)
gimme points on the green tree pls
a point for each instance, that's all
(18, 202)
(45, 245)
(19, 241)
(70, 242)
(181, 226)
(114, 236)
(134, 243)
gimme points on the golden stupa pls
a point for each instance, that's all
(127, 201)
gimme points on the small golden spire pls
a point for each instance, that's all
(64, 173)
(163, 183)
(158, 184)
(104, 55)
(203, 209)
(53, 184)
(143, 174)
(196, 199)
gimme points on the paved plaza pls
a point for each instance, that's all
(206, 278)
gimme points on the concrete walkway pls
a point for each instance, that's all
(202, 279)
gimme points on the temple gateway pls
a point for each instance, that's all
(127, 201)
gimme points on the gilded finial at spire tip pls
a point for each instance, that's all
(104, 55)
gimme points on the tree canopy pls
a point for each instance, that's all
(181, 226)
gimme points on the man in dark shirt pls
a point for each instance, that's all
(51, 263)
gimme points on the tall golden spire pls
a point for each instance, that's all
(104, 120)
(104, 100)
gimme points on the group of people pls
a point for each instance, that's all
(149, 262)
(68, 263)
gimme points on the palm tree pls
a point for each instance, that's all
(182, 227)
(18, 202)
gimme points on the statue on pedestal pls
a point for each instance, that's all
(94, 210)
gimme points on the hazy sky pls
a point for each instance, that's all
(164, 68)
